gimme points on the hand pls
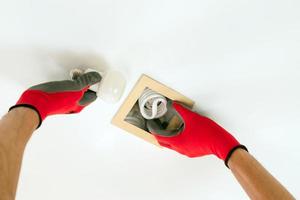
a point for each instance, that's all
(201, 136)
(60, 97)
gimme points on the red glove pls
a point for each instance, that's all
(200, 136)
(60, 97)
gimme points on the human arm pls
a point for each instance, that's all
(202, 136)
(16, 128)
(34, 106)
(257, 182)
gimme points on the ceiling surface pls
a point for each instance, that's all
(239, 60)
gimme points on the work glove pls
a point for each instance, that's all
(200, 136)
(60, 97)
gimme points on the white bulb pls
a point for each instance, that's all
(111, 87)
(152, 104)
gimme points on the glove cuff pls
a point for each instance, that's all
(35, 100)
(231, 152)
(31, 107)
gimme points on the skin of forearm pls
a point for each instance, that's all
(16, 128)
(255, 179)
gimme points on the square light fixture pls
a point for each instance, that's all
(143, 83)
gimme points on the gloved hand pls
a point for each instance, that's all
(60, 97)
(200, 136)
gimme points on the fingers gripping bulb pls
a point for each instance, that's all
(111, 87)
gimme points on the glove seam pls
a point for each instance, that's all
(31, 107)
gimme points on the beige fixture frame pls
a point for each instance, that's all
(144, 82)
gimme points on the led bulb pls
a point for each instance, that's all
(111, 87)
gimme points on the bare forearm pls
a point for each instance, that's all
(16, 127)
(255, 179)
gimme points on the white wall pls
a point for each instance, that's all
(239, 60)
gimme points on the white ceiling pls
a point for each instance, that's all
(239, 60)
